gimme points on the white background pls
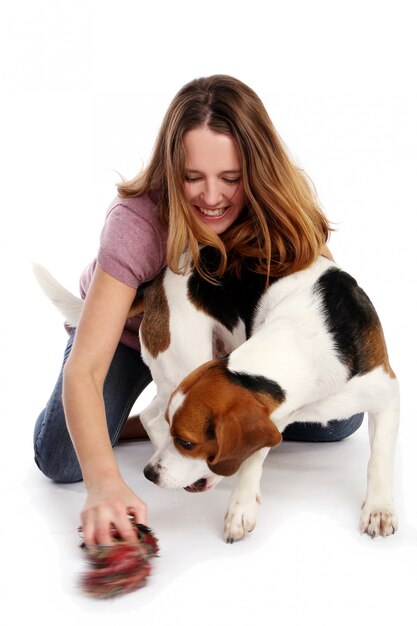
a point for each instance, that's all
(84, 87)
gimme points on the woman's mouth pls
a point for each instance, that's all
(211, 213)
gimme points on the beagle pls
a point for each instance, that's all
(235, 364)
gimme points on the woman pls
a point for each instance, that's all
(219, 176)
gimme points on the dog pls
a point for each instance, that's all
(251, 361)
(235, 362)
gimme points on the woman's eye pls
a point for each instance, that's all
(229, 181)
(187, 445)
(191, 180)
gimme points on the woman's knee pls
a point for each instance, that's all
(341, 429)
(54, 453)
(60, 470)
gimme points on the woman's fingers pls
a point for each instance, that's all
(139, 512)
(97, 525)
(103, 518)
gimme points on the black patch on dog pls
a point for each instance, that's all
(349, 316)
(259, 384)
(233, 298)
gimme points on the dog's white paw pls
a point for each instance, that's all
(240, 519)
(378, 521)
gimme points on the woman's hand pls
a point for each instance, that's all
(107, 507)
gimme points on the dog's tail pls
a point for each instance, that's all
(68, 304)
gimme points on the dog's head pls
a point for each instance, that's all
(217, 420)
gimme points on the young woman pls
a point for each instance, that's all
(219, 176)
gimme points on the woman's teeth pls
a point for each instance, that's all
(212, 212)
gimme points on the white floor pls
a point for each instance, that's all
(337, 83)
(304, 563)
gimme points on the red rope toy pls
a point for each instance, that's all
(120, 568)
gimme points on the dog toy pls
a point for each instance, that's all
(120, 568)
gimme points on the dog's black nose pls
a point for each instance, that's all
(151, 473)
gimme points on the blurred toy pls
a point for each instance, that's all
(120, 568)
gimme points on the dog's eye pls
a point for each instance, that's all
(187, 445)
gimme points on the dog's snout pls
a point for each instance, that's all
(152, 472)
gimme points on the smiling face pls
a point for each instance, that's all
(213, 178)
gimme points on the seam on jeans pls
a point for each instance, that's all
(54, 400)
(139, 387)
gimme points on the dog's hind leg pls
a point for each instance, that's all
(377, 393)
(378, 516)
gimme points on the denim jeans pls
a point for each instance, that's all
(126, 379)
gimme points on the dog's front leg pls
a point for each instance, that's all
(246, 497)
(154, 422)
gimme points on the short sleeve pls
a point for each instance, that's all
(131, 248)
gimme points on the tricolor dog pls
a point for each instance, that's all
(309, 348)
(235, 363)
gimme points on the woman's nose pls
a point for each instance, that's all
(211, 195)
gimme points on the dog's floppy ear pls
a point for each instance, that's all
(240, 433)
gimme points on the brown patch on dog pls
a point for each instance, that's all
(222, 345)
(155, 325)
(238, 417)
(219, 346)
(375, 349)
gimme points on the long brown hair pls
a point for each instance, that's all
(282, 228)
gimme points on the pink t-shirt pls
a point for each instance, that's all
(132, 250)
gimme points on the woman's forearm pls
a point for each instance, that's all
(86, 422)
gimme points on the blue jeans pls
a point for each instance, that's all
(126, 379)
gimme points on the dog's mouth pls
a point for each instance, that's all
(203, 484)
(199, 485)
